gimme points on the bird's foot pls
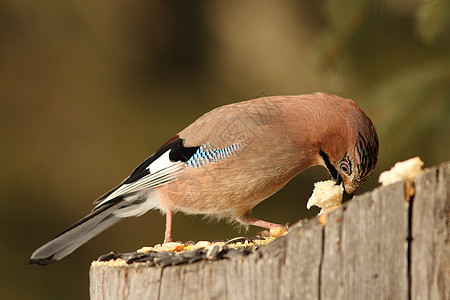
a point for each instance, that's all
(267, 233)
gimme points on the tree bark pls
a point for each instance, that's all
(386, 244)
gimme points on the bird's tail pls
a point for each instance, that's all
(97, 221)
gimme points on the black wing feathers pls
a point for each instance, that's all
(181, 153)
(142, 170)
(178, 153)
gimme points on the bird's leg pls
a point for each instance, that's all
(249, 220)
(262, 223)
(168, 232)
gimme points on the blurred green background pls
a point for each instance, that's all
(90, 89)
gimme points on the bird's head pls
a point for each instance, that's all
(351, 155)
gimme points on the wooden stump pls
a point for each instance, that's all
(381, 245)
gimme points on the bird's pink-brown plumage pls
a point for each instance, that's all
(235, 156)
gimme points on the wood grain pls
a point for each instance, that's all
(381, 245)
(430, 247)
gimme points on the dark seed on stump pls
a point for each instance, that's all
(126, 256)
(163, 260)
(162, 254)
(178, 260)
(193, 253)
(164, 263)
(144, 257)
(196, 258)
(236, 240)
(108, 256)
(214, 252)
(137, 256)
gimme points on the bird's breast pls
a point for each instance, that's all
(227, 181)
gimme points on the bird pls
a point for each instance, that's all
(232, 158)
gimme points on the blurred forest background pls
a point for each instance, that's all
(90, 89)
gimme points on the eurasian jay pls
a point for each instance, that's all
(232, 158)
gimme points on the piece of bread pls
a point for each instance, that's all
(401, 171)
(326, 195)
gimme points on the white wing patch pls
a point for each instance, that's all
(161, 163)
(203, 156)
(162, 171)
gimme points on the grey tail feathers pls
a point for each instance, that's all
(65, 243)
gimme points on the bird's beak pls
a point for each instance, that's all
(339, 180)
(346, 195)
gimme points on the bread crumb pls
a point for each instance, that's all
(110, 263)
(409, 190)
(405, 170)
(202, 244)
(145, 249)
(265, 241)
(171, 246)
(323, 219)
(278, 231)
(326, 195)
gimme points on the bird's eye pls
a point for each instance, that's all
(345, 167)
